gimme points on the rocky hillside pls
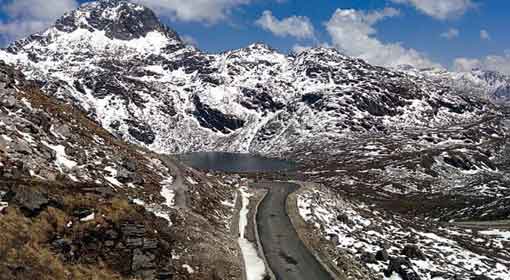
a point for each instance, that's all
(136, 77)
(77, 203)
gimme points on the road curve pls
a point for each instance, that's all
(286, 255)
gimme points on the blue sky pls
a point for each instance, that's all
(403, 31)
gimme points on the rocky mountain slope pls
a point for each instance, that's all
(136, 77)
(77, 203)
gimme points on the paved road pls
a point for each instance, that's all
(287, 256)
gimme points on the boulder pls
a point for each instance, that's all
(146, 274)
(142, 260)
(30, 200)
(437, 274)
(403, 267)
(9, 101)
(368, 257)
(133, 230)
(130, 165)
(344, 218)
(62, 245)
(22, 148)
(481, 277)
(63, 130)
(413, 252)
(334, 238)
(125, 176)
(134, 242)
(382, 255)
(111, 234)
(149, 243)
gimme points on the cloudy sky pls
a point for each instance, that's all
(454, 34)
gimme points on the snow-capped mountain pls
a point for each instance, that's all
(491, 85)
(137, 78)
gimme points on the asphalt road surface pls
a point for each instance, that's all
(287, 256)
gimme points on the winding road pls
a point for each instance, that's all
(285, 253)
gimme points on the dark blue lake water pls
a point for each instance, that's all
(232, 162)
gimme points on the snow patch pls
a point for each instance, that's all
(255, 268)
(89, 218)
(61, 158)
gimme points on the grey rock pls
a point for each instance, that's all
(62, 245)
(334, 238)
(382, 255)
(142, 260)
(49, 175)
(146, 274)
(480, 277)
(403, 267)
(134, 242)
(63, 130)
(142, 133)
(130, 165)
(436, 274)
(22, 148)
(368, 257)
(149, 243)
(4, 145)
(125, 176)
(165, 275)
(29, 199)
(112, 234)
(413, 252)
(42, 120)
(9, 102)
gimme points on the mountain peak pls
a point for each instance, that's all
(119, 19)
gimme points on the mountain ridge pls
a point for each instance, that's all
(263, 95)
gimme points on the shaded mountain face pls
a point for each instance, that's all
(118, 19)
(117, 62)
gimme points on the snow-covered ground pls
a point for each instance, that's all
(254, 265)
(434, 253)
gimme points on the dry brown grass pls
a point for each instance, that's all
(25, 243)
(24, 251)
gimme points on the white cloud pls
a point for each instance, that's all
(209, 11)
(484, 35)
(189, 40)
(440, 9)
(294, 26)
(25, 17)
(463, 64)
(451, 33)
(353, 31)
(297, 48)
(500, 63)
